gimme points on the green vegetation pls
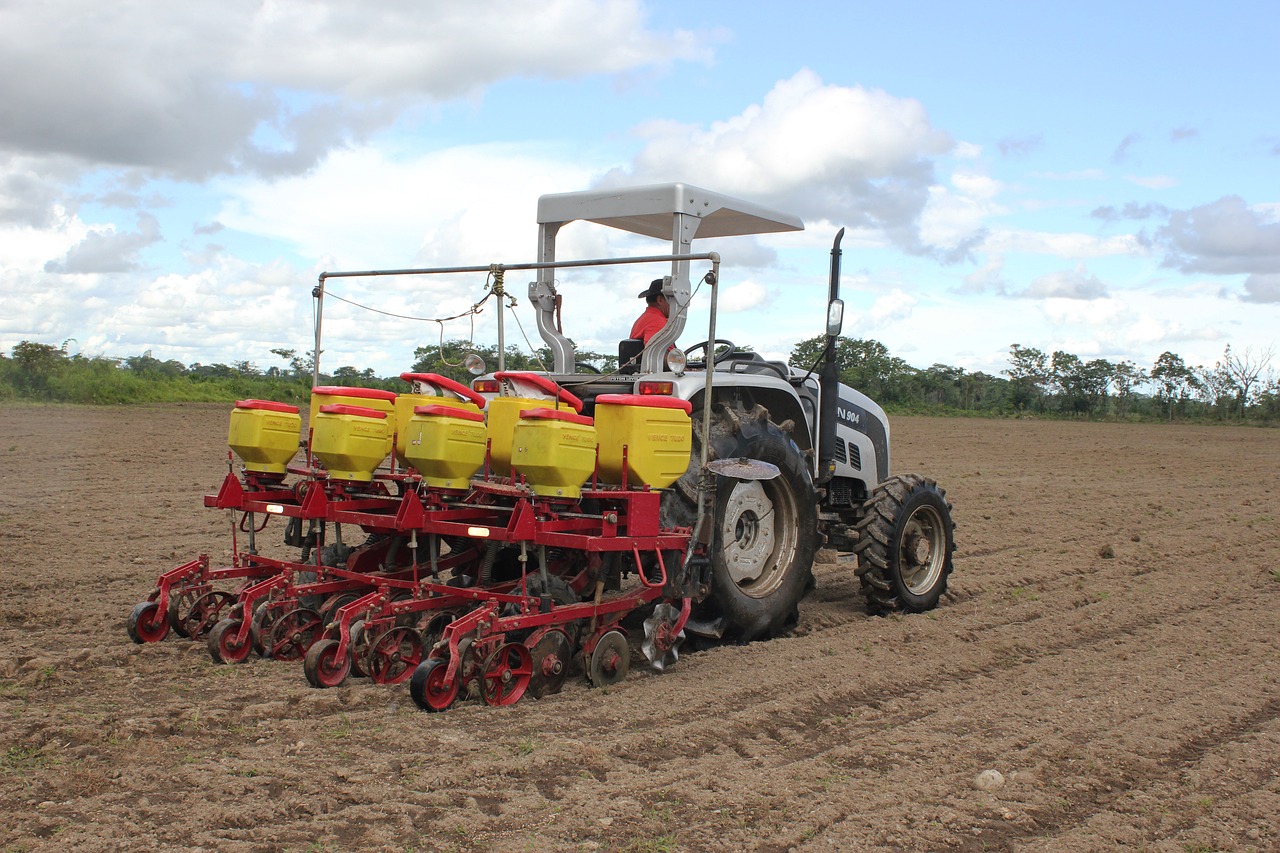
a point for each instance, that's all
(22, 759)
(1239, 388)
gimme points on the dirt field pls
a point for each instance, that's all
(1109, 647)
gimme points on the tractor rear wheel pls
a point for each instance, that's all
(765, 532)
(905, 541)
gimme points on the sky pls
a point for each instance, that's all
(1096, 177)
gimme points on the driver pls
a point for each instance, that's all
(655, 313)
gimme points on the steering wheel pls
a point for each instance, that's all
(729, 349)
(585, 367)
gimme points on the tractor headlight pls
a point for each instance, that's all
(676, 361)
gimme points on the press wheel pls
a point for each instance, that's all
(146, 624)
(223, 645)
(394, 656)
(505, 675)
(428, 687)
(292, 635)
(322, 666)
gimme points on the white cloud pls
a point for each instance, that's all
(106, 250)
(1160, 332)
(1226, 236)
(29, 248)
(894, 305)
(1094, 312)
(743, 297)
(955, 217)
(848, 154)
(988, 277)
(360, 209)
(444, 49)
(976, 186)
(197, 87)
(1064, 245)
(1074, 284)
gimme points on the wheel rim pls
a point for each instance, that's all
(610, 661)
(394, 656)
(505, 675)
(205, 613)
(758, 540)
(294, 633)
(922, 549)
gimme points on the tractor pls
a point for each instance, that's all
(828, 443)
(512, 527)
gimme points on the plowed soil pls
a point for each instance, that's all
(1108, 646)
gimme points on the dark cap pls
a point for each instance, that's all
(654, 288)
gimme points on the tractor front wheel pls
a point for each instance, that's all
(905, 541)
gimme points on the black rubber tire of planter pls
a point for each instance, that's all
(905, 541)
(561, 594)
(765, 532)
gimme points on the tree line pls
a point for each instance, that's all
(1242, 386)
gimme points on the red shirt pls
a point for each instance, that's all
(648, 323)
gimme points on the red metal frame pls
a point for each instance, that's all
(495, 510)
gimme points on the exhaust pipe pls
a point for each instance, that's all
(829, 375)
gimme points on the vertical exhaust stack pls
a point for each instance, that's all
(829, 375)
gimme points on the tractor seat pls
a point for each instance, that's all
(629, 350)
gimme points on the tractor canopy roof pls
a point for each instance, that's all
(652, 210)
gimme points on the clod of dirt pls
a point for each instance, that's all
(1106, 552)
(989, 780)
(1135, 538)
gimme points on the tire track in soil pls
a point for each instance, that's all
(877, 696)
(749, 733)
(780, 738)
(1051, 611)
(903, 720)
(1113, 793)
